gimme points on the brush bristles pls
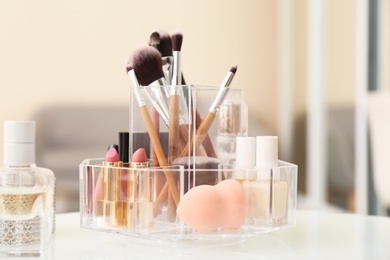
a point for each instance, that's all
(128, 67)
(165, 44)
(177, 40)
(233, 69)
(147, 65)
(154, 40)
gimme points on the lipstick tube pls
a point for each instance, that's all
(110, 207)
(139, 204)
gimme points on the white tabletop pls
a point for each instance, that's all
(318, 235)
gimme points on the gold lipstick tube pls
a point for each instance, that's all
(139, 206)
(111, 208)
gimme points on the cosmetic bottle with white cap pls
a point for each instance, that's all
(245, 157)
(27, 195)
(266, 194)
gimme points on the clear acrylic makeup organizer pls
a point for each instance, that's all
(270, 194)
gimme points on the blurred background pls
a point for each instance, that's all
(308, 69)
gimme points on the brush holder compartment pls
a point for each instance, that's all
(195, 148)
(194, 102)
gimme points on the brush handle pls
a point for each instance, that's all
(173, 128)
(201, 134)
(207, 144)
(171, 208)
(160, 200)
(184, 133)
(160, 153)
(158, 174)
(173, 140)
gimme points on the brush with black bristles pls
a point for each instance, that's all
(139, 64)
(147, 65)
(154, 40)
(167, 55)
(175, 118)
(177, 41)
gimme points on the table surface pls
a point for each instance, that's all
(318, 235)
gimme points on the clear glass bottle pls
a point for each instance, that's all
(233, 122)
(27, 195)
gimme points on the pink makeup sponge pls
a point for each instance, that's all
(233, 196)
(206, 207)
(201, 208)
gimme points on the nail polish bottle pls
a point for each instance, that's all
(245, 157)
(27, 195)
(266, 194)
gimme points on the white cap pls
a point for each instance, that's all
(245, 151)
(19, 142)
(266, 151)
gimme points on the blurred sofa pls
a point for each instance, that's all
(68, 134)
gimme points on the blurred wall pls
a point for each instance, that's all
(75, 51)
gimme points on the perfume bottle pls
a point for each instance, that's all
(27, 195)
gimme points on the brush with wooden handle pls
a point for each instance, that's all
(206, 123)
(147, 66)
(208, 120)
(140, 62)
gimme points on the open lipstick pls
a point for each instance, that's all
(109, 207)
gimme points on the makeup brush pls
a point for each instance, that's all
(165, 44)
(177, 40)
(176, 111)
(140, 57)
(174, 100)
(147, 65)
(211, 114)
(178, 79)
(167, 55)
(203, 128)
(154, 40)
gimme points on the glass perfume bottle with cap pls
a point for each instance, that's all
(27, 195)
